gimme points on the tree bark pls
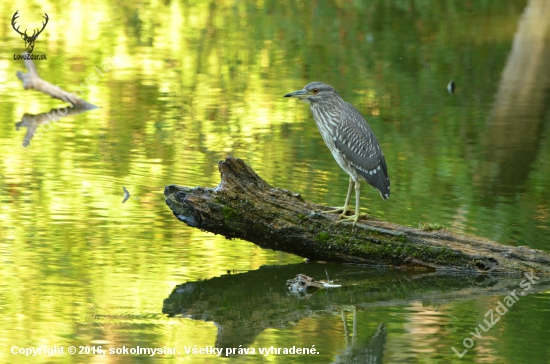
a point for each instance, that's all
(245, 206)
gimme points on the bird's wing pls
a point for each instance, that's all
(356, 141)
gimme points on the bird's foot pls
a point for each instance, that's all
(343, 210)
(353, 218)
(343, 218)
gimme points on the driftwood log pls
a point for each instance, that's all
(245, 206)
(32, 81)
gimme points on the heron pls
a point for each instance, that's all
(351, 141)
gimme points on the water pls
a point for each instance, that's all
(182, 85)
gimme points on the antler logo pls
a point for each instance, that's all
(29, 40)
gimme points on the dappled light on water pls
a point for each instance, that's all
(194, 82)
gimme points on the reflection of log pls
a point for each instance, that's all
(245, 206)
(244, 305)
(31, 122)
(31, 80)
(371, 351)
(523, 98)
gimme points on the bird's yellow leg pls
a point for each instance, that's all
(345, 208)
(355, 216)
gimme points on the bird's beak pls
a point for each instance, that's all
(300, 94)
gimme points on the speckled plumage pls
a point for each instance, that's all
(349, 138)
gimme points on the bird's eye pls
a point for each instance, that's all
(315, 91)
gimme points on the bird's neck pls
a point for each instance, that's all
(334, 102)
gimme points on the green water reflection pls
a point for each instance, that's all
(192, 82)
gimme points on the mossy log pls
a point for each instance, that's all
(245, 206)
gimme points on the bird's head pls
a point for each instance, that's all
(314, 92)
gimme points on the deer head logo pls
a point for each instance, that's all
(29, 40)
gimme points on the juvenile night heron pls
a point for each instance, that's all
(350, 140)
